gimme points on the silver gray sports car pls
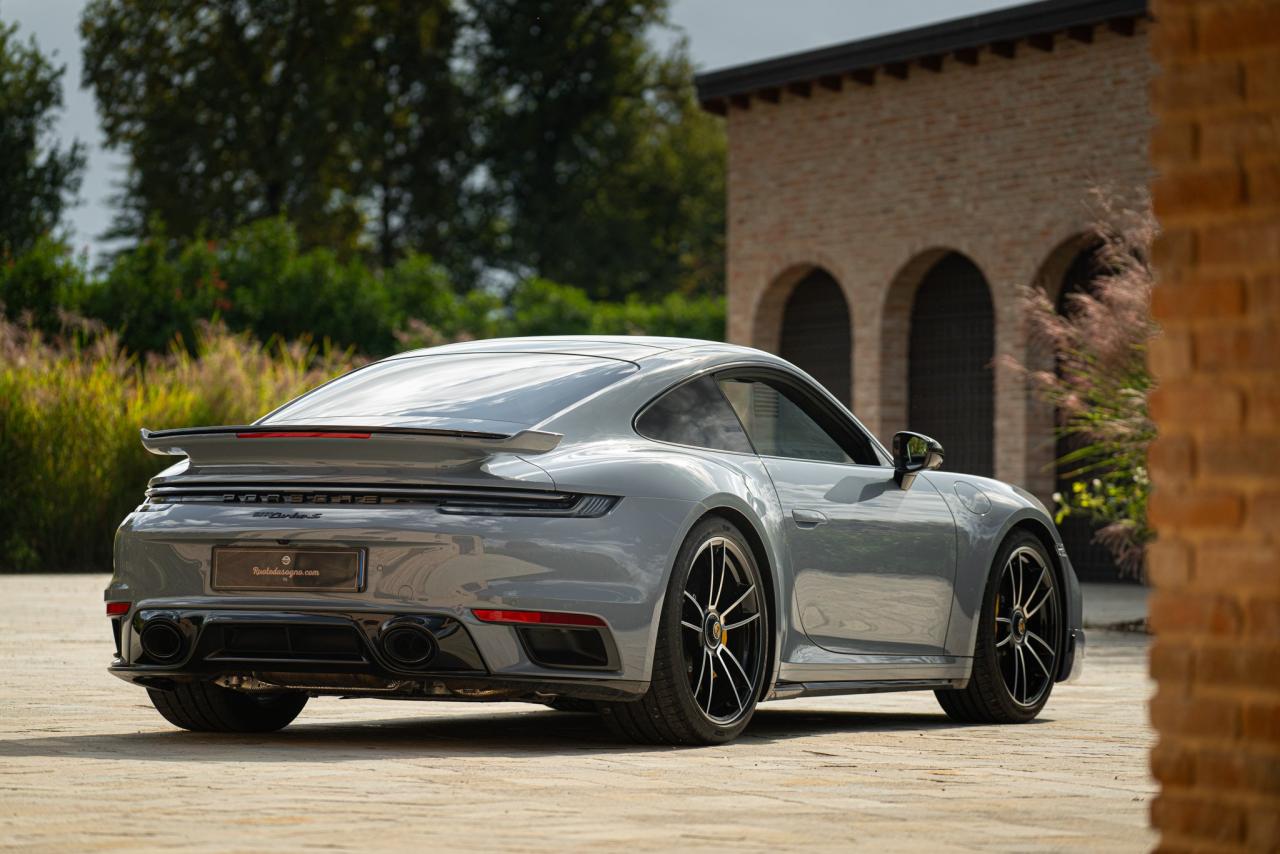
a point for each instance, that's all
(664, 531)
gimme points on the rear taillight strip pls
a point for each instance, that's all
(457, 502)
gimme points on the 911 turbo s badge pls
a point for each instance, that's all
(277, 514)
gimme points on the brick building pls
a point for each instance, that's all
(889, 198)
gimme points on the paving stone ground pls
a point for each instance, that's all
(86, 764)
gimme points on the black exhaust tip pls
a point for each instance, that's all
(162, 640)
(408, 645)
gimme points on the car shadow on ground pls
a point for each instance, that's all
(498, 735)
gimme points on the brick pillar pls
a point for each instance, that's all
(1215, 609)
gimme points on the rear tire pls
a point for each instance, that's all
(1013, 668)
(710, 660)
(205, 707)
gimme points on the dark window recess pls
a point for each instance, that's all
(815, 333)
(697, 414)
(784, 423)
(950, 382)
(558, 647)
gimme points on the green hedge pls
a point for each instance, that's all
(260, 281)
(70, 412)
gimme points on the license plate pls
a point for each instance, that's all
(286, 570)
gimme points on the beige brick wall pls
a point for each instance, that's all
(1216, 467)
(872, 182)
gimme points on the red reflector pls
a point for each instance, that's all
(545, 618)
(302, 435)
(118, 609)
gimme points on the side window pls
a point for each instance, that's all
(697, 414)
(780, 424)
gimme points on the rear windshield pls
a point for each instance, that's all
(466, 390)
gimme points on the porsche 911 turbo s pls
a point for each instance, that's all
(664, 531)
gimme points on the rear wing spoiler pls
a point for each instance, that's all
(225, 444)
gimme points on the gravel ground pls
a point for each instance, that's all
(87, 764)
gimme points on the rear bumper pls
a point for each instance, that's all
(335, 651)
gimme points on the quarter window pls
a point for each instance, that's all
(697, 414)
(781, 423)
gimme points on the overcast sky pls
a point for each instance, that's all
(720, 32)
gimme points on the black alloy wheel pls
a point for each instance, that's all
(711, 658)
(1019, 642)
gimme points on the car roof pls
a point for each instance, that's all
(631, 348)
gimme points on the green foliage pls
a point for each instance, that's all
(70, 411)
(260, 280)
(325, 111)
(41, 283)
(37, 180)
(540, 307)
(675, 314)
(602, 169)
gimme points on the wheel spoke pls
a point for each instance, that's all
(1007, 637)
(724, 570)
(711, 683)
(696, 604)
(737, 602)
(743, 622)
(746, 680)
(1045, 598)
(1013, 689)
(711, 575)
(1032, 635)
(1036, 656)
(1017, 597)
(689, 625)
(736, 696)
(1020, 666)
(702, 671)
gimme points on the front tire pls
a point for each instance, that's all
(710, 660)
(1019, 639)
(205, 707)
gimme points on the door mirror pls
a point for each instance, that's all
(912, 454)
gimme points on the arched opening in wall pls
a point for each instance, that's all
(950, 380)
(815, 334)
(1092, 561)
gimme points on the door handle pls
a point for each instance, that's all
(807, 518)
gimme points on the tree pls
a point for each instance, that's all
(415, 123)
(333, 113)
(601, 170)
(37, 179)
